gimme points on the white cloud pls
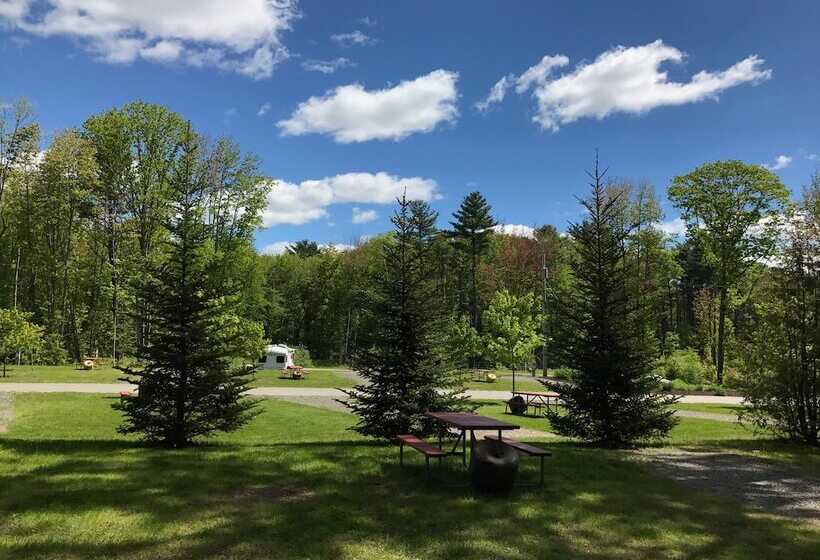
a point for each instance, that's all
(327, 66)
(622, 80)
(538, 74)
(368, 21)
(263, 110)
(290, 203)
(277, 248)
(281, 247)
(242, 36)
(163, 51)
(497, 93)
(352, 114)
(363, 216)
(516, 230)
(356, 38)
(780, 162)
(675, 226)
(813, 157)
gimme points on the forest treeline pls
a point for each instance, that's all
(81, 216)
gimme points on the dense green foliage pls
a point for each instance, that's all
(82, 215)
(608, 401)
(404, 369)
(513, 327)
(17, 334)
(781, 381)
(732, 211)
(187, 388)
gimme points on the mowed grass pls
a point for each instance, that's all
(523, 382)
(296, 483)
(106, 374)
(712, 408)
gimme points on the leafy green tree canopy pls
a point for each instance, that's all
(17, 334)
(513, 324)
(732, 211)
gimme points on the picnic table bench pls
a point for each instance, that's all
(429, 451)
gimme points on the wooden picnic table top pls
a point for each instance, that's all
(472, 421)
(537, 393)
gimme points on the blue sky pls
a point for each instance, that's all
(347, 102)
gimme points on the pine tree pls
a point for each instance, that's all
(188, 388)
(609, 403)
(404, 376)
(472, 229)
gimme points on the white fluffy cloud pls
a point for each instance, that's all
(620, 80)
(780, 162)
(263, 110)
(242, 36)
(356, 38)
(353, 114)
(516, 230)
(675, 226)
(327, 66)
(497, 93)
(290, 203)
(281, 247)
(363, 216)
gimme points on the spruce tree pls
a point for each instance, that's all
(405, 378)
(187, 388)
(609, 403)
(472, 229)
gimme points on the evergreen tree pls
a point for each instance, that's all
(403, 369)
(609, 402)
(188, 389)
(304, 248)
(472, 231)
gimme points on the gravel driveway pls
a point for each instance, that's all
(771, 487)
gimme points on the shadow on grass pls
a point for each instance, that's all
(115, 499)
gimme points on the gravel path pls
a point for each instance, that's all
(771, 487)
(114, 388)
(6, 412)
(331, 403)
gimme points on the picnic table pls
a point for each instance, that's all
(467, 422)
(539, 399)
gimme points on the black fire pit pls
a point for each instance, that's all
(493, 466)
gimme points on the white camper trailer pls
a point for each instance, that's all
(277, 356)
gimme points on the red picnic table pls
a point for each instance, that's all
(539, 399)
(468, 422)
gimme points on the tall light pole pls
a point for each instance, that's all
(544, 277)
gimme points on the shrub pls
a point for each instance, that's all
(301, 356)
(684, 365)
(51, 351)
(563, 372)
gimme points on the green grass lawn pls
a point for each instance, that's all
(523, 382)
(320, 377)
(713, 408)
(315, 378)
(296, 483)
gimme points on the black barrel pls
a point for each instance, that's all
(493, 466)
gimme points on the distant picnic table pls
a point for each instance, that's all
(539, 399)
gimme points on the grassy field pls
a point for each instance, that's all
(712, 408)
(296, 483)
(523, 382)
(318, 377)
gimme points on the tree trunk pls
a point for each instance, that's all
(721, 334)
